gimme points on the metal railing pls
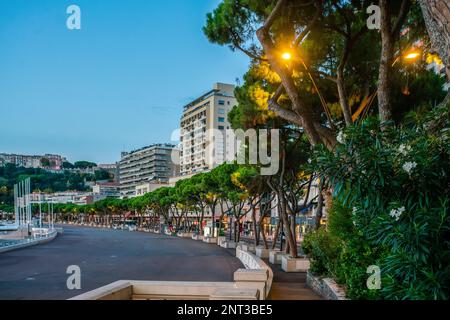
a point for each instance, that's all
(36, 238)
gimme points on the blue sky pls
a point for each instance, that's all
(117, 84)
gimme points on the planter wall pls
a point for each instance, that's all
(325, 287)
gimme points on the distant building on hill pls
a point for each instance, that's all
(48, 161)
(112, 168)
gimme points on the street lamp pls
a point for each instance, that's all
(286, 56)
(412, 55)
(408, 57)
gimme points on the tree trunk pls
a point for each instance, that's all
(202, 217)
(222, 215)
(213, 222)
(263, 235)
(261, 232)
(288, 232)
(238, 222)
(384, 102)
(436, 14)
(343, 97)
(288, 247)
(293, 228)
(255, 227)
(275, 236)
(389, 34)
(319, 210)
(231, 226)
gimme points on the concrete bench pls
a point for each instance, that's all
(235, 294)
(252, 278)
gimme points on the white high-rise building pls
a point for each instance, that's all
(149, 164)
(200, 148)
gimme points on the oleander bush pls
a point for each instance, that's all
(341, 252)
(391, 207)
(324, 250)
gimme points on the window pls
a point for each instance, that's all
(221, 102)
(221, 119)
(221, 127)
(221, 111)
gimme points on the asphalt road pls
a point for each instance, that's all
(105, 256)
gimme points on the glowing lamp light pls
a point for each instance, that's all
(412, 55)
(286, 56)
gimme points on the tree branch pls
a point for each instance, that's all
(308, 28)
(285, 114)
(273, 15)
(404, 9)
(278, 93)
(248, 53)
(324, 74)
(343, 14)
(236, 44)
(336, 29)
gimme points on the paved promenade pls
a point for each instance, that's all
(290, 286)
(105, 256)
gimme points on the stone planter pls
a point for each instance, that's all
(187, 234)
(228, 244)
(197, 237)
(210, 240)
(220, 239)
(247, 247)
(262, 252)
(289, 264)
(275, 256)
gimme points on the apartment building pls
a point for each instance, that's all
(149, 164)
(106, 189)
(74, 197)
(201, 148)
(142, 189)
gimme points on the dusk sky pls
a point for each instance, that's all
(117, 84)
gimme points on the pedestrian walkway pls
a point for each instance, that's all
(287, 286)
(290, 286)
